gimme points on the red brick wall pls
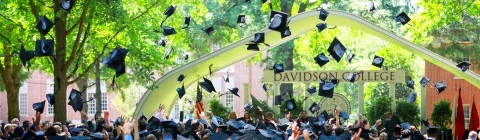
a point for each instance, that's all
(37, 89)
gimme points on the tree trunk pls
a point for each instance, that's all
(10, 74)
(83, 82)
(60, 67)
(98, 90)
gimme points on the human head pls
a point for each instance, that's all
(9, 128)
(304, 114)
(472, 134)
(196, 125)
(15, 121)
(329, 129)
(151, 137)
(269, 115)
(288, 116)
(389, 115)
(366, 125)
(233, 115)
(383, 136)
(246, 115)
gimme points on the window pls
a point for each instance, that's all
(23, 100)
(466, 113)
(229, 97)
(177, 111)
(92, 106)
(50, 108)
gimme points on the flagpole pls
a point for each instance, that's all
(454, 112)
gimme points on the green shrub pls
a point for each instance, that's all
(441, 115)
(218, 109)
(377, 107)
(407, 112)
(253, 113)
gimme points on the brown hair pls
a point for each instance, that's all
(233, 115)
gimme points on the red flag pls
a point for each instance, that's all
(460, 118)
(474, 120)
(199, 104)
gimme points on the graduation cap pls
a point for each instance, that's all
(321, 26)
(39, 107)
(74, 93)
(286, 32)
(162, 42)
(51, 99)
(30, 135)
(253, 47)
(185, 56)
(335, 81)
(26, 55)
(259, 38)
(241, 19)
(290, 104)
(278, 68)
(116, 60)
(411, 84)
(344, 115)
(371, 7)
(311, 90)
(77, 102)
(77, 130)
(234, 91)
(350, 57)
(412, 97)
(44, 47)
(209, 30)
(44, 25)
(321, 59)
(440, 86)
(314, 107)
(278, 21)
(425, 122)
(351, 77)
(402, 18)
(405, 125)
(227, 78)
(336, 49)
(432, 130)
(464, 66)
(67, 5)
(100, 125)
(323, 14)
(181, 91)
(181, 77)
(278, 99)
(424, 81)
(247, 106)
(268, 133)
(377, 61)
(170, 126)
(207, 85)
(168, 31)
(167, 53)
(326, 89)
(187, 22)
(169, 11)
(264, 87)
(222, 135)
(142, 118)
(236, 125)
(118, 121)
(97, 135)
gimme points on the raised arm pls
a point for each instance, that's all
(36, 121)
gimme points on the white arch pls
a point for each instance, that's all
(299, 24)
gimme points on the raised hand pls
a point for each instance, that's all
(356, 136)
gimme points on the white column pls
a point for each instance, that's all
(246, 92)
(276, 109)
(391, 90)
(423, 107)
(361, 97)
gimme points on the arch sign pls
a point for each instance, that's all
(299, 24)
(390, 76)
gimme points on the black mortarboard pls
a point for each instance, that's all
(371, 7)
(26, 55)
(236, 125)
(162, 42)
(116, 60)
(335, 81)
(44, 47)
(187, 22)
(278, 68)
(39, 107)
(209, 30)
(405, 125)
(241, 19)
(223, 127)
(432, 130)
(97, 135)
(394, 121)
(77, 103)
(185, 56)
(67, 5)
(51, 99)
(167, 53)
(253, 47)
(290, 104)
(278, 99)
(247, 106)
(286, 32)
(352, 77)
(168, 31)
(73, 94)
(170, 10)
(424, 81)
(425, 123)
(464, 66)
(268, 134)
(170, 125)
(207, 85)
(44, 25)
(326, 89)
(314, 107)
(234, 91)
(181, 91)
(311, 90)
(181, 77)
(440, 86)
(321, 26)
(350, 57)
(336, 49)
(411, 84)
(323, 14)
(377, 61)
(30, 135)
(278, 21)
(77, 130)
(344, 115)
(264, 87)
(222, 135)
(143, 118)
(118, 121)
(259, 38)
(321, 59)
(412, 97)
(402, 18)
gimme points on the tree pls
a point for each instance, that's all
(377, 107)
(441, 115)
(218, 109)
(407, 112)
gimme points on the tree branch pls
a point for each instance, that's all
(73, 27)
(79, 35)
(75, 68)
(34, 10)
(12, 21)
(80, 50)
(109, 41)
(5, 37)
(44, 4)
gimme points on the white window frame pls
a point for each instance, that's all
(23, 100)
(229, 97)
(104, 98)
(466, 113)
(50, 90)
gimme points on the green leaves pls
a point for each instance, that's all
(377, 107)
(441, 115)
(407, 112)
